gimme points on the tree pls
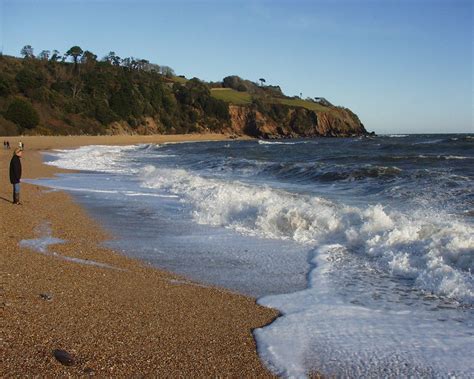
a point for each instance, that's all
(56, 56)
(112, 58)
(128, 62)
(152, 67)
(88, 57)
(27, 51)
(22, 113)
(262, 81)
(5, 86)
(125, 102)
(44, 55)
(75, 52)
(28, 79)
(234, 82)
(167, 71)
(108, 57)
(142, 64)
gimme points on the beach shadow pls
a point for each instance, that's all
(5, 199)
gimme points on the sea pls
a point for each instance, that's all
(364, 245)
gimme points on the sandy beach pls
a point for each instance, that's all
(124, 320)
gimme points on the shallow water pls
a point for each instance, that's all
(365, 245)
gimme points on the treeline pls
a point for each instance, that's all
(77, 93)
(77, 55)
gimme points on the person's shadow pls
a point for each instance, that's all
(5, 199)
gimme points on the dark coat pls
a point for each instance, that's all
(15, 170)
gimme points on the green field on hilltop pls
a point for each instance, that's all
(303, 103)
(231, 96)
(179, 79)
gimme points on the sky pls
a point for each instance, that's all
(403, 66)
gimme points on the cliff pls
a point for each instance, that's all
(39, 96)
(295, 122)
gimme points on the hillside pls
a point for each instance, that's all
(127, 96)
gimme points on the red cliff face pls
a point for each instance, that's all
(295, 122)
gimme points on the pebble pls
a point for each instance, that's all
(46, 296)
(64, 357)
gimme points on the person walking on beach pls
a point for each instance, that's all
(15, 174)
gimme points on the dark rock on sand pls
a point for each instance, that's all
(64, 357)
(46, 296)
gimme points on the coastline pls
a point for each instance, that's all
(134, 320)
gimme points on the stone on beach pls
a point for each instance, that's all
(46, 296)
(64, 357)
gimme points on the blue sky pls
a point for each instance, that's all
(402, 66)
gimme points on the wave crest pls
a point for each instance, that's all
(435, 251)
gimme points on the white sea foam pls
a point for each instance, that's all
(456, 157)
(397, 135)
(265, 142)
(105, 191)
(93, 158)
(447, 157)
(44, 240)
(434, 250)
(429, 142)
(319, 331)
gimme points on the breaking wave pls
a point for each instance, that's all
(94, 158)
(433, 250)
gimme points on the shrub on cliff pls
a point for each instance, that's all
(29, 79)
(22, 113)
(5, 86)
(126, 102)
(104, 114)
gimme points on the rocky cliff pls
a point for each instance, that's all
(49, 97)
(291, 122)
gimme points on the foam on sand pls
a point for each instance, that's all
(42, 243)
(320, 331)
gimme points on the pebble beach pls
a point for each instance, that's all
(111, 315)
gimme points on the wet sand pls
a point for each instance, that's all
(130, 321)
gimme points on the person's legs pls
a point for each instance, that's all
(16, 193)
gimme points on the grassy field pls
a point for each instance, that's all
(305, 104)
(179, 79)
(231, 96)
(235, 97)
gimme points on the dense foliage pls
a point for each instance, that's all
(79, 94)
(22, 113)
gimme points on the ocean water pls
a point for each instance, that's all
(365, 245)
